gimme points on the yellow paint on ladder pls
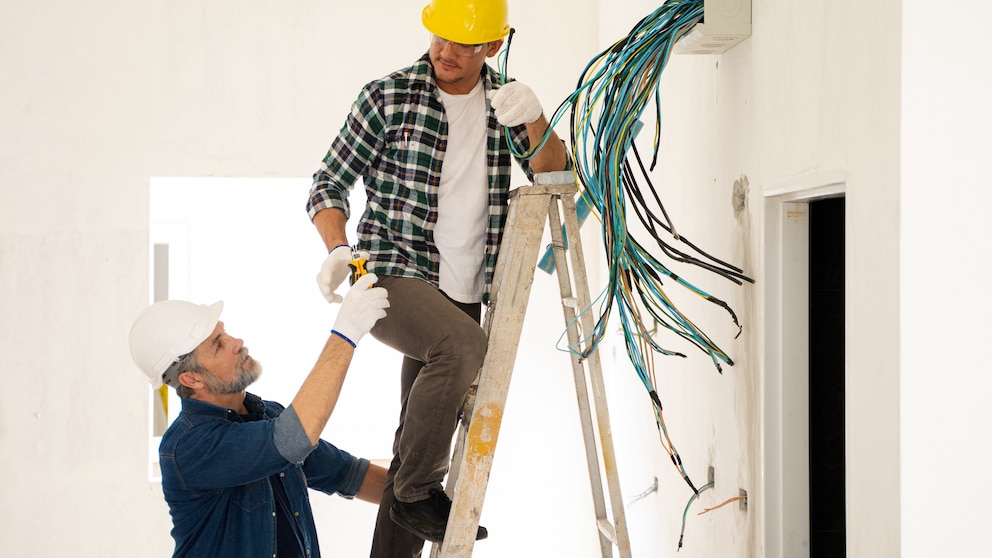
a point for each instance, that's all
(484, 430)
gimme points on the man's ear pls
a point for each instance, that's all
(190, 380)
(494, 47)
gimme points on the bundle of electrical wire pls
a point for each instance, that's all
(611, 96)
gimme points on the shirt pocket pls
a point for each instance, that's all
(406, 157)
(252, 496)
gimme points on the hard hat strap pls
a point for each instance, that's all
(171, 374)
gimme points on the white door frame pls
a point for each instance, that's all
(786, 371)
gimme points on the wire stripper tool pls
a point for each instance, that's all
(356, 265)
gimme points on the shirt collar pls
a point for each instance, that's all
(253, 403)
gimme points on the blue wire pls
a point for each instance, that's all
(606, 109)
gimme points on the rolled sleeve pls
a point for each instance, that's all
(353, 478)
(332, 470)
(290, 438)
(325, 194)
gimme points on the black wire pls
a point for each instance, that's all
(636, 191)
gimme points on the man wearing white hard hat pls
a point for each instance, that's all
(236, 468)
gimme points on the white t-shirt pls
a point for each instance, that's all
(463, 198)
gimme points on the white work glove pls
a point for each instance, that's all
(516, 104)
(363, 306)
(334, 270)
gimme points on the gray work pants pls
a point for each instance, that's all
(443, 347)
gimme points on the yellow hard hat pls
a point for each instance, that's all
(470, 22)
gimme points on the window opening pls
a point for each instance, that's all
(249, 242)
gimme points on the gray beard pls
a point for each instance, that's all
(245, 378)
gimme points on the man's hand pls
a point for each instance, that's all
(363, 306)
(333, 272)
(516, 104)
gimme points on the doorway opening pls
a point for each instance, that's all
(826, 379)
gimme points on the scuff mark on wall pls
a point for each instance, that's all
(739, 197)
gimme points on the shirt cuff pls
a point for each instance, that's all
(354, 478)
(326, 200)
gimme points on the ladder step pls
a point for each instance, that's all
(606, 528)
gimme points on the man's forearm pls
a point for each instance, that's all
(330, 225)
(551, 157)
(319, 393)
(373, 484)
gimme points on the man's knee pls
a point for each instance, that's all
(470, 344)
(477, 345)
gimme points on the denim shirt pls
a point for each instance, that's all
(215, 477)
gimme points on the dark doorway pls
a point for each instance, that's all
(826, 379)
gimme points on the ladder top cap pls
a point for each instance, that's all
(554, 178)
(544, 190)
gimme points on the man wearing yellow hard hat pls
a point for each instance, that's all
(430, 144)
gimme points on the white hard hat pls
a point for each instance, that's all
(167, 331)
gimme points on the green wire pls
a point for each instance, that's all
(692, 499)
(605, 111)
(606, 108)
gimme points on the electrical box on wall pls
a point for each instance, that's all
(725, 23)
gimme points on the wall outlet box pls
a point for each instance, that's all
(725, 23)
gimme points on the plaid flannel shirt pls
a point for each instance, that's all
(394, 139)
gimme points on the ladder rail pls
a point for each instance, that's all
(597, 384)
(508, 303)
(570, 311)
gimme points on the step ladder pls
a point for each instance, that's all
(548, 199)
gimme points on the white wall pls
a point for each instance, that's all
(889, 99)
(813, 95)
(944, 388)
(827, 103)
(74, 130)
(98, 98)
(814, 92)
